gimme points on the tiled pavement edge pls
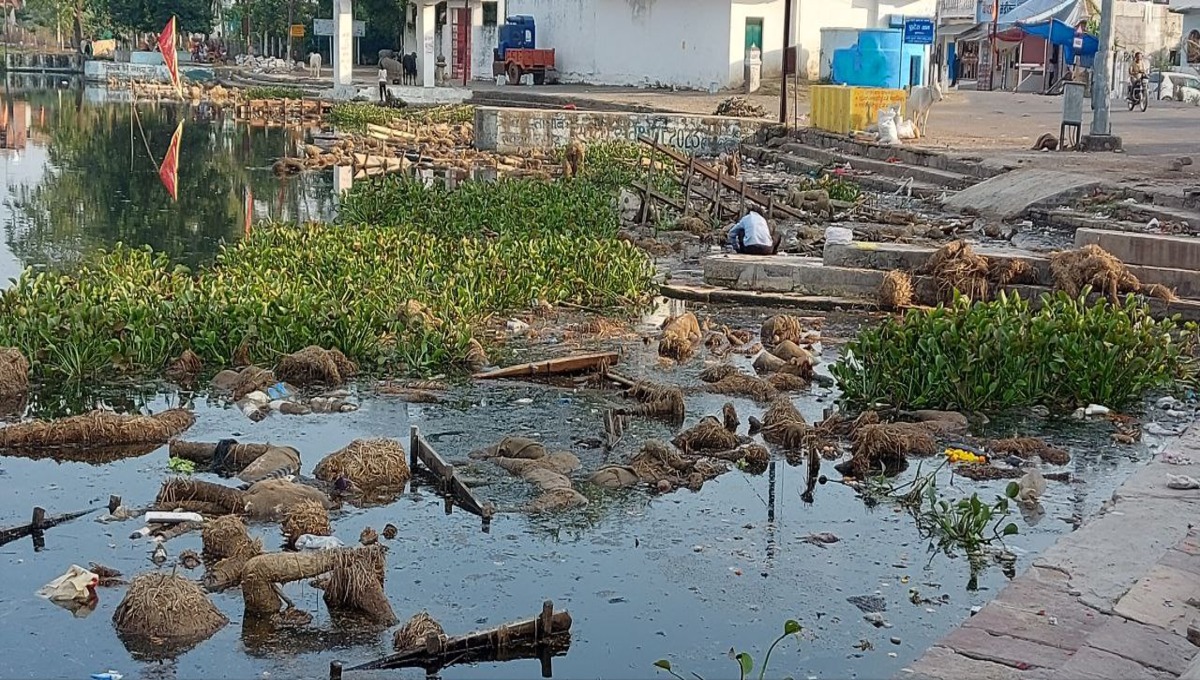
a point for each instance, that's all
(1109, 600)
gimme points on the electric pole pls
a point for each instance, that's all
(1101, 66)
(787, 44)
(291, 5)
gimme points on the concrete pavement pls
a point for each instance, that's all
(1114, 599)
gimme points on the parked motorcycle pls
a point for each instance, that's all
(1137, 94)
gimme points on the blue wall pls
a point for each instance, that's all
(879, 59)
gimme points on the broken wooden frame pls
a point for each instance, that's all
(693, 169)
(38, 525)
(422, 457)
(541, 637)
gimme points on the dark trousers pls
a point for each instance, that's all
(759, 250)
(383, 92)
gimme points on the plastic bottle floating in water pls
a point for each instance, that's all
(957, 455)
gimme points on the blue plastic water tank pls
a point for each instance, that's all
(874, 61)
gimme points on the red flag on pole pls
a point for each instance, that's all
(166, 45)
(169, 170)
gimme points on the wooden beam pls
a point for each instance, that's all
(520, 639)
(722, 180)
(562, 365)
(39, 523)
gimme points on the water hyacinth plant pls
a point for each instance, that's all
(1004, 353)
(354, 116)
(402, 284)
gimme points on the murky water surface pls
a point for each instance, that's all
(684, 576)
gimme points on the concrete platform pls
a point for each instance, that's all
(1155, 250)
(809, 277)
(1011, 194)
(789, 274)
(885, 256)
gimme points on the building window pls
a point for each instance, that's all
(490, 13)
(1193, 47)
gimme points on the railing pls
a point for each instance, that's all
(956, 9)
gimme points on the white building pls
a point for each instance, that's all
(698, 44)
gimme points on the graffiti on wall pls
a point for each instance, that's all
(511, 130)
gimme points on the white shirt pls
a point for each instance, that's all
(754, 230)
(383, 78)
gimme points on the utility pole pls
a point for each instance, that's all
(291, 6)
(1100, 72)
(787, 44)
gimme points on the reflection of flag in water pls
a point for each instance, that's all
(249, 208)
(166, 45)
(169, 170)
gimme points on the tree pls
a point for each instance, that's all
(192, 16)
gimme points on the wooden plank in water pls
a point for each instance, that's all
(447, 478)
(441, 651)
(560, 366)
(40, 522)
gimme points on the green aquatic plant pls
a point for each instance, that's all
(744, 660)
(393, 297)
(969, 524)
(1005, 353)
(181, 466)
(839, 188)
(354, 116)
(274, 92)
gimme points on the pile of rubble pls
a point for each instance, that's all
(267, 64)
(739, 107)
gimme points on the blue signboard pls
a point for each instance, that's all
(918, 31)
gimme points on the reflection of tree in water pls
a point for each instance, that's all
(100, 187)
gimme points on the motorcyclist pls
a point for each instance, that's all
(1138, 72)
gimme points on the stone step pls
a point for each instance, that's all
(1165, 213)
(909, 155)
(749, 298)
(804, 166)
(886, 256)
(900, 170)
(1067, 218)
(1155, 250)
(789, 274)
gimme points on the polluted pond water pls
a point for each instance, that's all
(646, 573)
(682, 575)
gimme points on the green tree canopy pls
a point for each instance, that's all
(192, 16)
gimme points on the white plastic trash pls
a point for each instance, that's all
(838, 236)
(311, 542)
(155, 517)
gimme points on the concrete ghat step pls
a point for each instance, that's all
(749, 298)
(808, 277)
(802, 165)
(1066, 218)
(787, 274)
(941, 178)
(908, 154)
(1155, 250)
(887, 256)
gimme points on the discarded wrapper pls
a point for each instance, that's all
(77, 584)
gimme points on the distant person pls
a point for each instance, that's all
(383, 84)
(752, 236)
